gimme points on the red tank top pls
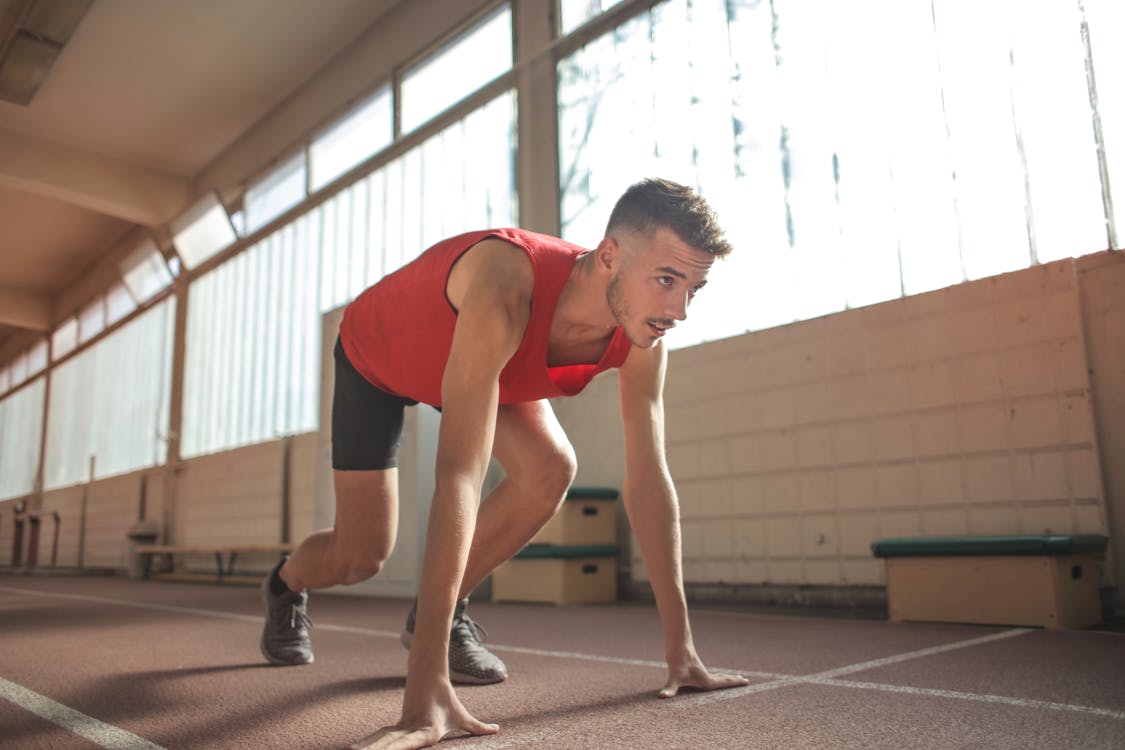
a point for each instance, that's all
(398, 333)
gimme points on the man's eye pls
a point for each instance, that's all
(667, 280)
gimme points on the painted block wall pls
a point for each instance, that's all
(111, 508)
(233, 497)
(962, 411)
(1102, 281)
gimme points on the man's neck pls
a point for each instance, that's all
(583, 322)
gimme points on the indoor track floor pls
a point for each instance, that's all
(88, 662)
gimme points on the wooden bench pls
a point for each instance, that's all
(1048, 581)
(225, 556)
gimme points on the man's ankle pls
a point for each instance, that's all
(278, 586)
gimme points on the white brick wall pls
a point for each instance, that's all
(232, 497)
(962, 411)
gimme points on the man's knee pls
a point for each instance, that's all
(552, 478)
(355, 566)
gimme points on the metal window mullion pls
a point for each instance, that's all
(1099, 137)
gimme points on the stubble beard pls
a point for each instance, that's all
(615, 297)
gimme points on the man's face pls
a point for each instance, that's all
(656, 277)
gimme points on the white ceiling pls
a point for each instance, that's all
(143, 98)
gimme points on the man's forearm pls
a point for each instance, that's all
(448, 537)
(654, 517)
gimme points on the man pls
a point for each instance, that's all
(486, 327)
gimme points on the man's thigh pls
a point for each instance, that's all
(366, 421)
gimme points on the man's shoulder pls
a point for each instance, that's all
(536, 242)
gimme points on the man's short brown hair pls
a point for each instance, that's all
(654, 203)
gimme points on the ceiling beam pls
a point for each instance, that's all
(25, 310)
(89, 180)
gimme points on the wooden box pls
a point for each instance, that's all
(558, 575)
(1049, 582)
(588, 516)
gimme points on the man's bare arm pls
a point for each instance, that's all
(493, 296)
(654, 515)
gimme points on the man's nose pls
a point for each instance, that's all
(678, 308)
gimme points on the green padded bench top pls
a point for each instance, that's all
(1047, 544)
(592, 493)
(556, 551)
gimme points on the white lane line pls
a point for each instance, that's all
(576, 655)
(192, 611)
(980, 697)
(922, 652)
(363, 631)
(827, 675)
(98, 732)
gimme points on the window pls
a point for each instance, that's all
(144, 273)
(274, 194)
(842, 179)
(18, 369)
(1106, 23)
(37, 358)
(202, 231)
(574, 13)
(91, 320)
(118, 303)
(110, 402)
(252, 363)
(21, 431)
(360, 134)
(65, 338)
(480, 55)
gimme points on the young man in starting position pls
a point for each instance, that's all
(487, 326)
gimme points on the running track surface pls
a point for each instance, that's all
(112, 663)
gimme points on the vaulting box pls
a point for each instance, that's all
(584, 574)
(586, 517)
(1039, 581)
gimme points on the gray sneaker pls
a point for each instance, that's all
(469, 661)
(285, 636)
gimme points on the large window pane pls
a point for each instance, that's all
(478, 56)
(144, 272)
(21, 430)
(91, 320)
(203, 231)
(118, 303)
(65, 338)
(849, 165)
(37, 358)
(359, 135)
(274, 194)
(574, 13)
(110, 402)
(1106, 20)
(253, 335)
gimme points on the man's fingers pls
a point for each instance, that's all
(479, 727)
(706, 682)
(729, 680)
(394, 738)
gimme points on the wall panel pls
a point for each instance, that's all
(961, 411)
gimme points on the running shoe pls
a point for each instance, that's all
(469, 661)
(285, 636)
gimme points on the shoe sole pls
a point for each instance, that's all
(281, 662)
(461, 678)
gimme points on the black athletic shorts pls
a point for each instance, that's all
(366, 421)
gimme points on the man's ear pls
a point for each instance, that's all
(607, 256)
